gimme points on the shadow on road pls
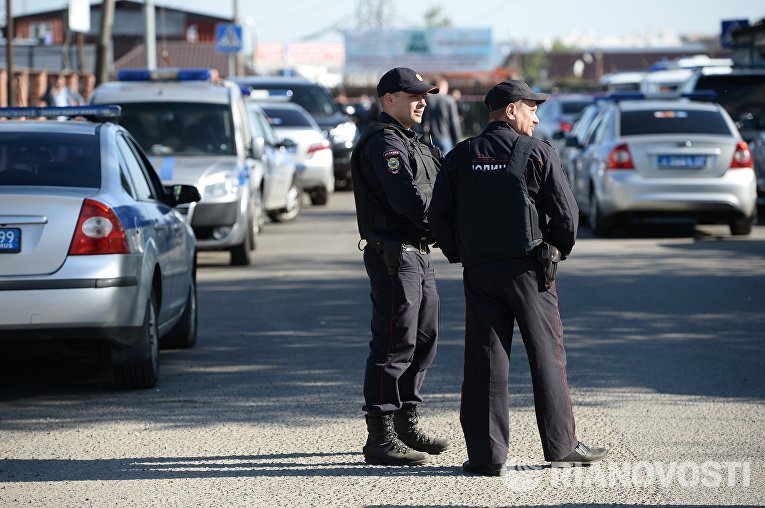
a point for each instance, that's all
(288, 348)
(235, 466)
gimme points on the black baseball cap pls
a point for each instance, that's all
(506, 92)
(402, 79)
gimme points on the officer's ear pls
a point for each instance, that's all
(510, 110)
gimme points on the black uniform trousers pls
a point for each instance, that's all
(497, 293)
(404, 331)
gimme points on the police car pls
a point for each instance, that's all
(93, 254)
(197, 131)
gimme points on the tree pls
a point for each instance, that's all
(532, 66)
(435, 18)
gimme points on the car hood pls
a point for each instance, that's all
(192, 170)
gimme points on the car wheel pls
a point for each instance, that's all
(145, 372)
(240, 254)
(184, 333)
(293, 207)
(258, 219)
(599, 224)
(741, 227)
(319, 196)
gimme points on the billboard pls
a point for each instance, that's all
(431, 50)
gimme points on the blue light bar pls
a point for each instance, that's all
(165, 74)
(103, 111)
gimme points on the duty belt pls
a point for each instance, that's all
(422, 247)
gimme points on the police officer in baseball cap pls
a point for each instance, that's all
(393, 171)
(503, 207)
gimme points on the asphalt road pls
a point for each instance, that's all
(665, 335)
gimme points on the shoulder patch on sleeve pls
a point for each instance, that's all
(392, 161)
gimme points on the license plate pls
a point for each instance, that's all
(10, 240)
(682, 161)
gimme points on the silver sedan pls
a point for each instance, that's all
(666, 158)
(93, 254)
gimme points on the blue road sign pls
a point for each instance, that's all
(228, 38)
(726, 34)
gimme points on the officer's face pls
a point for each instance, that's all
(405, 107)
(523, 116)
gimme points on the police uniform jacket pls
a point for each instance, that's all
(393, 176)
(549, 192)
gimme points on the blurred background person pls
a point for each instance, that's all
(441, 119)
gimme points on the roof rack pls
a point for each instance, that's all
(99, 113)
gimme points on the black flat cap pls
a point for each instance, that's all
(506, 92)
(402, 79)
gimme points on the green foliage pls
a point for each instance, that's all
(533, 64)
(435, 18)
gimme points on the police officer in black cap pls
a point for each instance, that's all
(393, 173)
(503, 207)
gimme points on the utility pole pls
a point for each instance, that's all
(9, 33)
(151, 35)
(104, 42)
(237, 56)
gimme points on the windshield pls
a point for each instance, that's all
(287, 117)
(180, 128)
(738, 94)
(55, 159)
(314, 99)
(673, 121)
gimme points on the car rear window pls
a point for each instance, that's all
(49, 159)
(672, 121)
(287, 118)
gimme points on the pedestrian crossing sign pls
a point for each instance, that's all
(228, 38)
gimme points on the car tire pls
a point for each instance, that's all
(184, 333)
(258, 219)
(319, 197)
(294, 205)
(240, 254)
(742, 226)
(600, 225)
(145, 372)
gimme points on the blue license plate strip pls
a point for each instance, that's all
(682, 161)
(10, 240)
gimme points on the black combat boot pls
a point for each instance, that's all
(385, 448)
(406, 422)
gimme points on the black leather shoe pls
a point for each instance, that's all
(484, 469)
(582, 455)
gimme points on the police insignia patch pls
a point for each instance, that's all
(394, 165)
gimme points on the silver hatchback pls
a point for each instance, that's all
(93, 253)
(666, 158)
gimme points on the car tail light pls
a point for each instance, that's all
(742, 157)
(316, 147)
(620, 158)
(99, 231)
(565, 126)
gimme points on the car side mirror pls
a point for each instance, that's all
(558, 135)
(181, 194)
(258, 148)
(288, 144)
